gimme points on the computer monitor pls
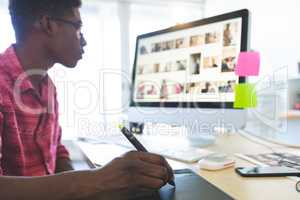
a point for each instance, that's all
(185, 75)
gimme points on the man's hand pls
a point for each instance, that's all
(134, 173)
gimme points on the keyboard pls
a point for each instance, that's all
(172, 148)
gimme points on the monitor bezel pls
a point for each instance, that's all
(244, 14)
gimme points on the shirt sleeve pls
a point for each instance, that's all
(1, 133)
(62, 151)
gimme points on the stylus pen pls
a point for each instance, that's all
(136, 144)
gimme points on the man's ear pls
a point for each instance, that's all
(48, 26)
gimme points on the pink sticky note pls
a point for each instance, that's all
(248, 64)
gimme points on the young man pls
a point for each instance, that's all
(33, 162)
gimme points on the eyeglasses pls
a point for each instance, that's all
(77, 25)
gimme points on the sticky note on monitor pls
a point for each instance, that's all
(245, 96)
(248, 64)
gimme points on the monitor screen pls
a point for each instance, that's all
(191, 64)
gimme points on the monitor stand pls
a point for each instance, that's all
(198, 139)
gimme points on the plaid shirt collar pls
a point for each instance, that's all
(15, 69)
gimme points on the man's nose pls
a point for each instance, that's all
(82, 40)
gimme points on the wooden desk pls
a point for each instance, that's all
(239, 187)
(247, 188)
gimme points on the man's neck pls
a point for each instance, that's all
(33, 57)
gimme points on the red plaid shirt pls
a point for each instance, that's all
(29, 130)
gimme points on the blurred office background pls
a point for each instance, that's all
(97, 90)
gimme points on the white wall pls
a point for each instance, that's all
(275, 29)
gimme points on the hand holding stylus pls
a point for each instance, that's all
(132, 139)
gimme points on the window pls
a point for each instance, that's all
(7, 33)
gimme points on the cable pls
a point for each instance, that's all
(257, 140)
(298, 186)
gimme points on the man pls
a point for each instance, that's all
(49, 32)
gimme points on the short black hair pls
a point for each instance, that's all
(25, 12)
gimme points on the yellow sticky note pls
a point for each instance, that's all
(245, 96)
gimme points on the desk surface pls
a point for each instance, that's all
(239, 187)
(248, 188)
